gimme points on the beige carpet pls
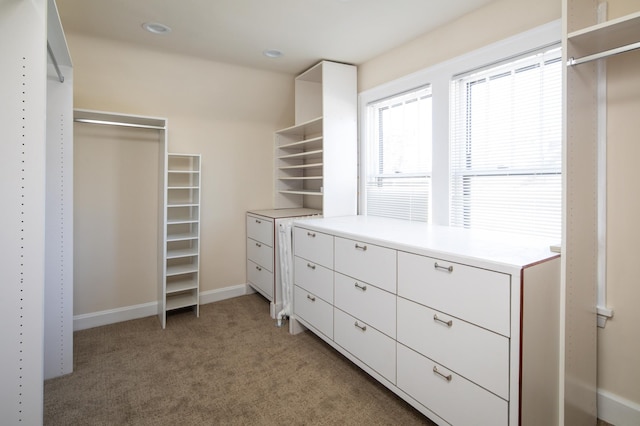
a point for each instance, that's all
(231, 366)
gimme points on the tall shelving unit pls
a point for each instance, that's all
(316, 158)
(181, 267)
(587, 41)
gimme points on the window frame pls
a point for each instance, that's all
(439, 77)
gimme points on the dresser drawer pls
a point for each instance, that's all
(450, 396)
(477, 354)
(476, 295)
(260, 229)
(367, 262)
(366, 343)
(260, 253)
(314, 246)
(314, 278)
(313, 310)
(366, 302)
(261, 279)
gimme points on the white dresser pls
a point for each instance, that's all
(263, 257)
(463, 325)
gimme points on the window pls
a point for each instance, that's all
(506, 159)
(399, 149)
(477, 146)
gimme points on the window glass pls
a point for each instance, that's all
(399, 150)
(505, 149)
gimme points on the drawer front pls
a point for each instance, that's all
(367, 344)
(367, 262)
(456, 400)
(473, 352)
(314, 278)
(476, 295)
(260, 253)
(260, 229)
(368, 303)
(261, 279)
(313, 310)
(314, 246)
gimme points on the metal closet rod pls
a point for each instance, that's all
(55, 63)
(118, 123)
(606, 53)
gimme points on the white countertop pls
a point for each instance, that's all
(510, 250)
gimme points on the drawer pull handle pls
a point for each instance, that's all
(359, 247)
(446, 268)
(258, 245)
(447, 323)
(258, 268)
(258, 221)
(310, 297)
(309, 265)
(311, 234)
(447, 378)
(361, 287)
(361, 327)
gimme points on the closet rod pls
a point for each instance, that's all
(118, 123)
(606, 53)
(55, 63)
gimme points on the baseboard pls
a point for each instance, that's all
(616, 410)
(112, 316)
(219, 294)
(126, 313)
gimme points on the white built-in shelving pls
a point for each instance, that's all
(316, 158)
(181, 266)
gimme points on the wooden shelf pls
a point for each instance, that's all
(300, 177)
(188, 252)
(305, 154)
(303, 143)
(300, 192)
(300, 166)
(182, 269)
(182, 300)
(182, 285)
(311, 127)
(183, 236)
(604, 36)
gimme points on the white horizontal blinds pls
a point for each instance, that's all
(398, 177)
(506, 158)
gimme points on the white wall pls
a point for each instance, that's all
(226, 113)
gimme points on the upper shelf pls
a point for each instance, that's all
(617, 34)
(311, 127)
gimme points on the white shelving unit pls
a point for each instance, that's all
(316, 159)
(181, 248)
(589, 39)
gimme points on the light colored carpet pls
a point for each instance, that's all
(231, 366)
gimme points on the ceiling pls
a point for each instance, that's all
(239, 31)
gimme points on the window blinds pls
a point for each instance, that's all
(398, 179)
(505, 153)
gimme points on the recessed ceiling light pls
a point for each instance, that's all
(156, 28)
(272, 53)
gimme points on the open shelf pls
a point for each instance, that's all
(182, 300)
(181, 275)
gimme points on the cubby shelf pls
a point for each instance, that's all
(181, 271)
(316, 159)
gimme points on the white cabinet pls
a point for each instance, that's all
(181, 263)
(264, 273)
(316, 159)
(471, 335)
